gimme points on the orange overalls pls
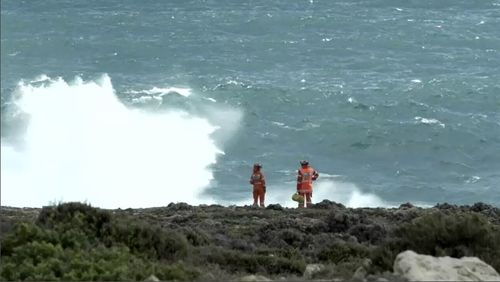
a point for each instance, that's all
(258, 181)
(306, 175)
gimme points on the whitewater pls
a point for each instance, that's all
(82, 144)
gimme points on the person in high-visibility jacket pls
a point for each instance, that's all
(258, 181)
(306, 176)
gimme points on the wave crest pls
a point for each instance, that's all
(82, 144)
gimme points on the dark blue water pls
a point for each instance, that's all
(401, 100)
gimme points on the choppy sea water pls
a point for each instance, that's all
(127, 103)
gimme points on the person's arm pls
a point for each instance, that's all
(251, 179)
(315, 175)
(299, 180)
(263, 181)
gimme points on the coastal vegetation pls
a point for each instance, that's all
(75, 241)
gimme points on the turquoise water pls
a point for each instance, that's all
(398, 101)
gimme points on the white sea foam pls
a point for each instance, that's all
(346, 193)
(429, 121)
(341, 192)
(83, 144)
(210, 99)
(40, 78)
(147, 99)
(160, 92)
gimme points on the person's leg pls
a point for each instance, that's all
(255, 197)
(308, 199)
(301, 204)
(262, 197)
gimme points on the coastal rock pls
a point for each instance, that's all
(359, 274)
(446, 206)
(326, 204)
(407, 205)
(179, 206)
(367, 263)
(152, 277)
(416, 267)
(312, 269)
(251, 278)
(276, 207)
(384, 277)
(480, 206)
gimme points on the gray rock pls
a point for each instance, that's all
(384, 277)
(276, 207)
(359, 274)
(152, 277)
(352, 239)
(415, 267)
(312, 269)
(251, 278)
(406, 205)
(367, 263)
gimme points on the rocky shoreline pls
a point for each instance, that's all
(239, 243)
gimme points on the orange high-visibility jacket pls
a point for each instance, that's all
(258, 180)
(305, 179)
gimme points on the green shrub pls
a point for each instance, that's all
(372, 233)
(343, 252)
(288, 253)
(148, 240)
(37, 252)
(74, 215)
(438, 234)
(279, 265)
(77, 242)
(25, 233)
(177, 272)
(237, 262)
(196, 237)
(339, 222)
(291, 236)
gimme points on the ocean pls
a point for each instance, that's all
(142, 103)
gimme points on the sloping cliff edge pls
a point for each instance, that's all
(75, 241)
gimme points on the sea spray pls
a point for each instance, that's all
(82, 144)
(345, 193)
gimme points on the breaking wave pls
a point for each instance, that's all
(81, 143)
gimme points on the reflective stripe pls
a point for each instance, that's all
(306, 175)
(256, 179)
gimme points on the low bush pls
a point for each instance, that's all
(74, 215)
(196, 237)
(339, 222)
(372, 233)
(238, 262)
(77, 242)
(438, 234)
(146, 239)
(339, 252)
(292, 237)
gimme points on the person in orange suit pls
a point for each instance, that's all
(306, 176)
(258, 181)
